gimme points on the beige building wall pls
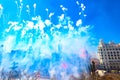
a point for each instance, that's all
(109, 55)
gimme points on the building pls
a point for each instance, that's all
(109, 55)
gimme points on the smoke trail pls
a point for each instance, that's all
(1, 10)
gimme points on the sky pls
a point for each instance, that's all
(103, 15)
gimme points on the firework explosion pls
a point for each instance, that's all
(33, 44)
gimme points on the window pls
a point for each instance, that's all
(104, 67)
(117, 66)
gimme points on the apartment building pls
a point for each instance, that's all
(109, 54)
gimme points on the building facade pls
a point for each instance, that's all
(109, 54)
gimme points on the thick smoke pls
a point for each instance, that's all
(56, 50)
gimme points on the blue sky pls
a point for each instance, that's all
(102, 14)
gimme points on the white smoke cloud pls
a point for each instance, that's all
(9, 44)
(41, 38)
(79, 22)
